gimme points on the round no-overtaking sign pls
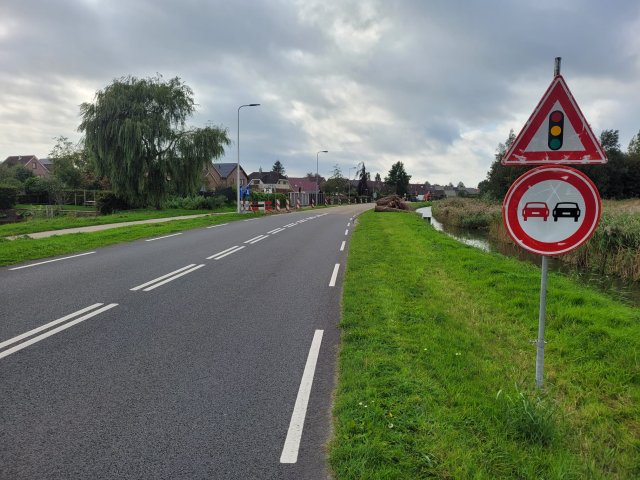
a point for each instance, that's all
(551, 210)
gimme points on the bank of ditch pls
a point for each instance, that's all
(436, 368)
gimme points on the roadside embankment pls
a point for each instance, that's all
(436, 369)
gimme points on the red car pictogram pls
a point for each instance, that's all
(535, 209)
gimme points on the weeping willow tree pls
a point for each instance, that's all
(136, 130)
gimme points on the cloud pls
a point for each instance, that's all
(436, 85)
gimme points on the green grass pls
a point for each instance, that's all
(436, 369)
(24, 249)
(62, 222)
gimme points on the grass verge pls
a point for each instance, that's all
(63, 222)
(24, 249)
(436, 372)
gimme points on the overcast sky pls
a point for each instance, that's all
(434, 84)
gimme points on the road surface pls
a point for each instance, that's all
(205, 354)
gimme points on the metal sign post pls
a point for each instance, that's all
(540, 342)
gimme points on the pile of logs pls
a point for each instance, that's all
(392, 203)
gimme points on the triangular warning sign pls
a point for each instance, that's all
(556, 132)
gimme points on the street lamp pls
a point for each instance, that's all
(238, 165)
(317, 188)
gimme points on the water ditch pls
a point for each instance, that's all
(627, 291)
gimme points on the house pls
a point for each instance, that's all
(219, 176)
(268, 182)
(31, 162)
(303, 184)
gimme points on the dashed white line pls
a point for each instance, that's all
(51, 261)
(334, 275)
(257, 239)
(226, 252)
(349, 224)
(249, 219)
(160, 238)
(139, 287)
(254, 238)
(219, 225)
(344, 242)
(171, 279)
(294, 434)
(346, 232)
(277, 230)
(22, 345)
(289, 225)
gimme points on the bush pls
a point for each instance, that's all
(261, 196)
(196, 202)
(8, 196)
(108, 203)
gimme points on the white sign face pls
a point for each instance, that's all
(551, 211)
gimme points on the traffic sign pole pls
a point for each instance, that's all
(541, 319)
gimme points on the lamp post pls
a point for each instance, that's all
(317, 187)
(238, 165)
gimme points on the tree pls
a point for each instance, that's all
(363, 186)
(67, 160)
(136, 130)
(278, 168)
(397, 179)
(336, 182)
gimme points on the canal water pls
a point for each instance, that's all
(627, 291)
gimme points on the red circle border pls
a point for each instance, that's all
(577, 179)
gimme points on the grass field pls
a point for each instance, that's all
(62, 222)
(24, 249)
(436, 369)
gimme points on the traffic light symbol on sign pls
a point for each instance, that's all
(556, 128)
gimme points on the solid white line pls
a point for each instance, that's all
(346, 232)
(222, 252)
(156, 285)
(252, 239)
(160, 238)
(160, 278)
(334, 275)
(292, 442)
(342, 246)
(258, 239)
(220, 225)
(48, 325)
(22, 345)
(236, 249)
(50, 261)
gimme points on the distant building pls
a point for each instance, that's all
(268, 182)
(302, 184)
(40, 168)
(219, 176)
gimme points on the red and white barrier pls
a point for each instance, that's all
(277, 205)
(288, 205)
(297, 204)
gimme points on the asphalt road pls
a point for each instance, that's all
(208, 354)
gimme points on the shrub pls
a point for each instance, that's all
(108, 203)
(8, 196)
(197, 202)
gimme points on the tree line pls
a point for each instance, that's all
(619, 178)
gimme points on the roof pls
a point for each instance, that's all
(266, 177)
(225, 169)
(46, 161)
(18, 160)
(304, 183)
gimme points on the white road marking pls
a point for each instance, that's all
(160, 238)
(171, 279)
(161, 278)
(254, 238)
(334, 275)
(257, 239)
(274, 230)
(249, 219)
(22, 345)
(226, 252)
(277, 230)
(290, 225)
(349, 224)
(219, 225)
(342, 246)
(346, 232)
(50, 261)
(294, 434)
